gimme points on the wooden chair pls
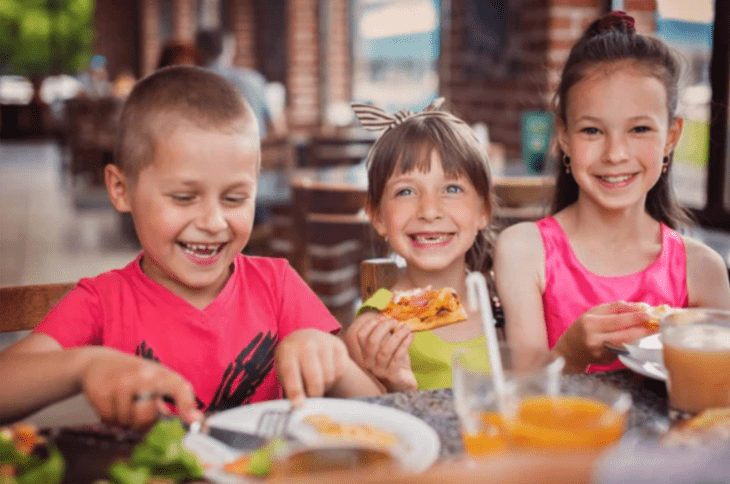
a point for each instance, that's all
(23, 307)
(523, 198)
(325, 235)
(346, 147)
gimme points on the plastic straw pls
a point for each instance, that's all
(476, 284)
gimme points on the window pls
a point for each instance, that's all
(702, 159)
(395, 52)
(689, 31)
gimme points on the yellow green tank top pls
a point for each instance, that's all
(430, 355)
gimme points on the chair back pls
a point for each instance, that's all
(325, 234)
(23, 307)
(523, 198)
(375, 274)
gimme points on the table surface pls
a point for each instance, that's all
(89, 451)
(648, 416)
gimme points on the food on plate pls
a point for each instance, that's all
(27, 458)
(159, 457)
(657, 313)
(258, 463)
(324, 459)
(711, 425)
(423, 309)
(352, 433)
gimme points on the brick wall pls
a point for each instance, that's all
(242, 23)
(338, 52)
(149, 36)
(546, 31)
(303, 63)
(117, 35)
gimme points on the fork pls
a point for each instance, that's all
(274, 423)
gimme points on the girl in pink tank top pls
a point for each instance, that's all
(574, 281)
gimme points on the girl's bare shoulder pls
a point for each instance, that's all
(707, 275)
(520, 238)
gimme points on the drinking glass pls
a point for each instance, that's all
(480, 409)
(537, 409)
(696, 349)
(584, 414)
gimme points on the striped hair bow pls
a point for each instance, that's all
(374, 118)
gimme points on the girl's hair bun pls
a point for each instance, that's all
(617, 20)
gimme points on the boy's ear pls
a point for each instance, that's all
(562, 132)
(673, 135)
(117, 187)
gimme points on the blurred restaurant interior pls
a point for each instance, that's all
(67, 65)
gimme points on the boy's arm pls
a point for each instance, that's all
(36, 372)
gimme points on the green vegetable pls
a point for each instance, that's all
(31, 468)
(261, 461)
(161, 454)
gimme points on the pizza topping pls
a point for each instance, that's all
(427, 308)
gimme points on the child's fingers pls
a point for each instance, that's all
(312, 374)
(291, 380)
(390, 345)
(401, 353)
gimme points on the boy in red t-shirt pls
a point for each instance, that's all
(191, 318)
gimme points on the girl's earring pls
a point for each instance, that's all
(665, 165)
(566, 164)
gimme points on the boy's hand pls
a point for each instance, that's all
(617, 323)
(127, 390)
(383, 344)
(310, 362)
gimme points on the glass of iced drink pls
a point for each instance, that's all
(484, 426)
(583, 416)
(696, 348)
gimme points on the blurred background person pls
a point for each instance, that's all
(216, 50)
(177, 53)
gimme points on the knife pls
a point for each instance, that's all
(236, 439)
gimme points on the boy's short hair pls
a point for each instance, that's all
(172, 96)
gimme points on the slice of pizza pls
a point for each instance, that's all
(657, 313)
(423, 309)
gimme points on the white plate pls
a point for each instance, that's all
(420, 443)
(645, 357)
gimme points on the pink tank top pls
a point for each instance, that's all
(571, 290)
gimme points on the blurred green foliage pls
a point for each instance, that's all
(41, 37)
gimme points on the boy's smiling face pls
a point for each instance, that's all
(193, 208)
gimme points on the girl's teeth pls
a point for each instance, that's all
(615, 179)
(430, 239)
(201, 250)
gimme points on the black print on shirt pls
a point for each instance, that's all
(148, 353)
(242, 376)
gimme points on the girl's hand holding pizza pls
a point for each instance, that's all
(380, 346)
(617, 323)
